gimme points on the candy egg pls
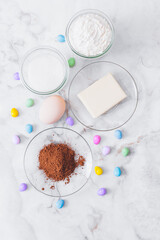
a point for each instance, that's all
(29, 102)
(52, 109)
(60, 203)
(106, 150)
(96, 139)
(16, 139)
(14, 112)
(16, 76)
(118, 134)
(61, 38)
(125, 151)
(117, 171)
(101, 191)
(29, 128)
(98, 170)
(71, 62)
(23, 187)
(70, 121)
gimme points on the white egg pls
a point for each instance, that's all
(52, 109)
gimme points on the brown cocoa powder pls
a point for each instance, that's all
(58, 161)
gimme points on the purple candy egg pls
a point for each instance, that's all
(23, 187)
(16, 139)
(102, 191)
(96, 139)
(106, 150)
(70, 121)
(16, 76)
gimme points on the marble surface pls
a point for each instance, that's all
(131, 209)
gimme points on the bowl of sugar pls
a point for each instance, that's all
(44, 70)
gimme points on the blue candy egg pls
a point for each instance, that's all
(118, 134)
(29, 128)
(59, 203)
(61, 38)
(117, 172)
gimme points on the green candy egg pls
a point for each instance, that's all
(125, 151)
(29, 102)
(71, 62)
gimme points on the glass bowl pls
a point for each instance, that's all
(87, 11)
(39, 52)
(118, 115)
(38, 178)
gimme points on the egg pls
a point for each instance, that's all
(70, 121)
(52, 109)
(118, 134)
(60, 203)
(16, 139)
(61, 38)
(14, 112)
(101, 191)
(98, 170)
(29, 128)
(106, 150)
(117, 172)
(96, 139)
(23, 187)
(125, 151)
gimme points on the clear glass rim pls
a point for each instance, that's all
(66, 195)
(85, 11)
(111, 129)
(50, 49)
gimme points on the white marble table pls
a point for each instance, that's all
(131, 209)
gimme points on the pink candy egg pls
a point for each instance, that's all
(52, 109)
(96, 139)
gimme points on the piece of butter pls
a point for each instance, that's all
(102, 95)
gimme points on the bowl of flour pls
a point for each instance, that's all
(44, 70)
(90, 33)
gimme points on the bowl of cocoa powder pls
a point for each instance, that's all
(58, 161)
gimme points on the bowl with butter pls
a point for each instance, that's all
(103, 96)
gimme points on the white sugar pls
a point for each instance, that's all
(45, 73)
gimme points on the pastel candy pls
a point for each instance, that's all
(125, 151)
(70, 121)
(98, 170)
(106, 150)
(117, 172)
(29, 102)
(101, 191)
(14, 112)
(23, 187)
(61, 38)
(118, 134)
(29, 128)
(60, 203)
(71, 62)
(16, 139)
(16, 76)
(96, 139)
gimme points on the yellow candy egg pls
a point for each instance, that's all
(14, 112)
(98, 170)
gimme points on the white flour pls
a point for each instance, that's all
(45, 73)
(90, 34)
